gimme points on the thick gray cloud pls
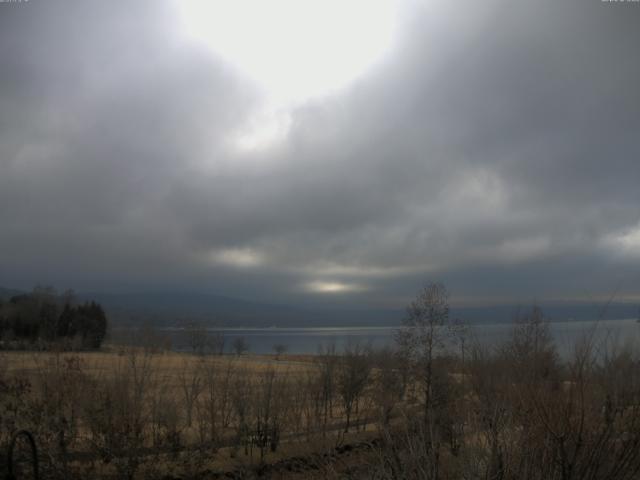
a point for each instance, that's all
(494, 147)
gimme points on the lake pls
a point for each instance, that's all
(307, 340)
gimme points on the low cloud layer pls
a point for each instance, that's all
(494, 147)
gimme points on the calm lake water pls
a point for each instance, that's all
(307, 340)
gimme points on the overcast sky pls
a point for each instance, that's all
(492, 145)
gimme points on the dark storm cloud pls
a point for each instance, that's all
(103, 113)
(495, 148)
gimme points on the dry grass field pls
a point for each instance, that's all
(124, 412)
(512, 412)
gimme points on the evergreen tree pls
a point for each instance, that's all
(42, 314)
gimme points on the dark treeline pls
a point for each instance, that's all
(44, 318)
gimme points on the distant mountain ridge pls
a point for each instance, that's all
(178, 308)
(174, 309)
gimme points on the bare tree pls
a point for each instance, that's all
(353, 376)
(279, 349)
(216, 343)
(240, 346)
(269, 398)
(531, 349)
(327, 361)
(461, 333)
(191, 384)
(117, 413)
(241, 401)
(389, 387)
(197, 337)
(422, 337)
(217, 405)
(310, 395)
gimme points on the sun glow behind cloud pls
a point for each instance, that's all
(294, 50)
(333, 287)
(236, 257)
(626, 243)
